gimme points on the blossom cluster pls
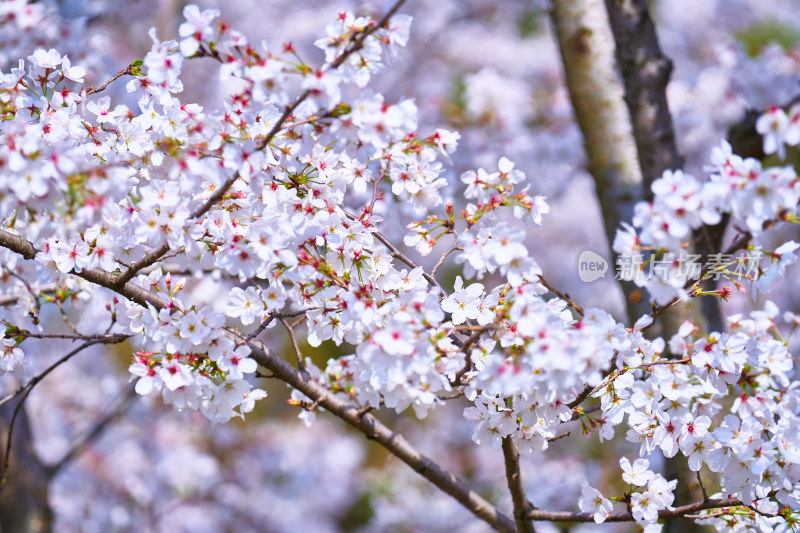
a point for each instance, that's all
(683, 406)
(651, 494)
(662, 229)
(726, 401)
(130, 181)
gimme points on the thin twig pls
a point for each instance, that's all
(300, 364)
(762, 513)
(702, 487)
(70, 325)
(665, 362)
(466, 349)
(30, 384)
(38, 307)
(558, 437)
(397, 254)
(72, 337)
(272, 316)
(463, 370)
(577, 413)
(44, 289)
(124, 72)
(737, 245)
(564, 296)
(450, 250)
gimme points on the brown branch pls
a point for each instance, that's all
(157, 254)
(677, 512)
(397, 254)
(124, 72)
(272, 316)
(37, 306)
(441, 260)
(558, 437)
(468, 353)
(683, 361)
(702, 487)
(18, 244)
(72, 337)
(358, 42)
(516, 487)
(395, 443)
(296, 347)
(737, 245)
(587, 390)
(133, 292)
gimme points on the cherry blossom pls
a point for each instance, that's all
(592, 501)
(222, 238)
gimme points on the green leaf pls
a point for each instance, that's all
(755, 37)
(136, 67)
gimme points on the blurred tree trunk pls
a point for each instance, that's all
(645, 72)
(24, 506)
(634, 124)
(587, 53)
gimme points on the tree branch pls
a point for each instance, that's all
(645, 73)
(677, 512)
(133, 292)
(154, 256)
(516, 487)
(12, 298)
(127, 71)
(393, 442)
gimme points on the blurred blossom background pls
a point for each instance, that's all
(489, 69)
